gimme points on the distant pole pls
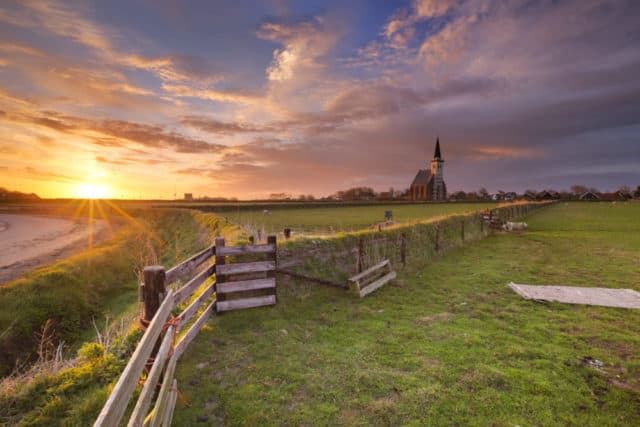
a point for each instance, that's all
(403, 249)
(272, 240)
(360, 255)
(462, 230)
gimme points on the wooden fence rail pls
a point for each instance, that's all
(160, 299)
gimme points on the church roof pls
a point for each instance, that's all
(422, 177)
(437, 154)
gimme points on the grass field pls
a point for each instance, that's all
(331, 219)
(452, 346)
(99, 281)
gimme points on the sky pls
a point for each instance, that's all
(152, 98)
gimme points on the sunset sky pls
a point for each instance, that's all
(239, 98)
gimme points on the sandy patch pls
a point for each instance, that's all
(29, 241)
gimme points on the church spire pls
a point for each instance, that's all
(437, 154)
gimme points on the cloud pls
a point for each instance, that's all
(222, 128)
(304, 43)
(45, 175)
(236, 95)
(115, 133)
(400, 28)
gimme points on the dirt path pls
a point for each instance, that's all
(30, 241)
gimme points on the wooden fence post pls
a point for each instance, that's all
(403, 249)
(462, 230)
(437, 238)
(220, 259)
(481, 223)
(272, 240)
(153, 290)
(360, 265)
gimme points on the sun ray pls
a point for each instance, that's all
(134, 221)
(104, 216)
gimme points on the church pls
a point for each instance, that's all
(429, 183)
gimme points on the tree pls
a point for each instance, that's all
(578, 189)
(636, 193)
(483, 193)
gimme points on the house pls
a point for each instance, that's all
(622, 195)
(589, 196)
(510, 196)
(429, 183)
(548, 195)
(188, 196)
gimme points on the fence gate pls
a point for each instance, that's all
(249, 284)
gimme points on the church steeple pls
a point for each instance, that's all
(437, 154)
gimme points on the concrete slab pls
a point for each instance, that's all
(607, 297)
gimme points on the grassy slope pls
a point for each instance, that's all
(100, 280)
(454, 346)
(74, 396)
(320, 220)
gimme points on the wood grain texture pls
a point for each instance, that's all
(193, 308)
(246, 249)
(377, 284)
(116, 404)
(144, 401)
(190, 287)
(189, 265)
(193, 331)
(246, 303)
(369, 270)
(246, 285)
(245, 267)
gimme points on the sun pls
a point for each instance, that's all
(90, 190)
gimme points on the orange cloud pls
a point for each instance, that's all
(489, 152)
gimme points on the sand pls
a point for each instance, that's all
(30, 241)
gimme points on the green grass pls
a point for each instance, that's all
(332, 219)
(75, 395)
(452, 346)
(98, 281)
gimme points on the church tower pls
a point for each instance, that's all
(439, 191)
(429, 183)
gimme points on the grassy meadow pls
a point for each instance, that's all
(321, 220)
(450, 344)
(101, 281)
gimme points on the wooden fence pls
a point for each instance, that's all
(160, 348)
(354, 254)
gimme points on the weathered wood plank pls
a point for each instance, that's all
(163, 394)
(171, 404)
(368, 271)
(246, 285)
(149, 388)
(245, 267)
(193, 308)
(246, 249)
(376, 284)
(193, 331)
(238, 304)
(189, 265)
(114, 408)
(190, 287)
